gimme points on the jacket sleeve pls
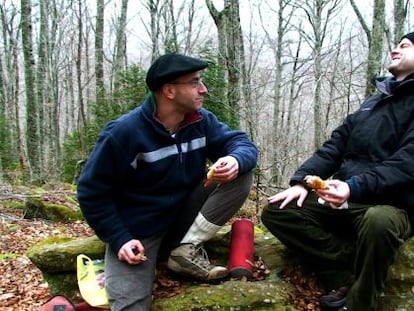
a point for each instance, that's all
(223, 141)
(328, 158)
(95, 192)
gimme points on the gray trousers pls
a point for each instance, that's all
(353, 246)
(129, 287)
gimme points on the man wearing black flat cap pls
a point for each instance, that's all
(144, 189)
(349, 231)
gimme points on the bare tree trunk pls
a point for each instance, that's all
(234, 54)
(10, 40)
(23, 156)
(319, 14)
(4, 139)
(153, 8)
(82, 119)
(376, 45)
(400, 15)
(170, 24)
(188, 41)
(41, 83)
(219, 18)
(8, 139)
(32, 109)
(375, 41)
(99, 53)
(278, 132)
(54, 88)
(120, 46)
(232, 50)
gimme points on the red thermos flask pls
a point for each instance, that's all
(241, 259)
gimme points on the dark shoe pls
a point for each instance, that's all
(335, 299)
(192, 260)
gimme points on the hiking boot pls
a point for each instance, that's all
(192, 260)
(335, 299)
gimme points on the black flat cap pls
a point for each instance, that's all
(171, 66)
(409, 36)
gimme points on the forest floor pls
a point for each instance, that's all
(22, 287)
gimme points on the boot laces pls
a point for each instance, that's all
(200, 257)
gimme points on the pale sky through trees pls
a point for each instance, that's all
(138, 40)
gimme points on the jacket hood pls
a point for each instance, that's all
(388, 85)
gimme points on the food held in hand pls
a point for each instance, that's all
(315, 182)
(142, 257)
(210, 173)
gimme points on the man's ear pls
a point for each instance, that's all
(168, 90)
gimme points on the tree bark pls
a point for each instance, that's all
(319, 14)
(99, 53)
(400, 15)
(154, 31)
(32, 109)
(375, 38)
(120, 46)
(231, 51)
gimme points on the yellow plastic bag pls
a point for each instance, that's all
(88, 273)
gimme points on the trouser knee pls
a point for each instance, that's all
(243, 183)
(379, 222)
(273, 217)
(227, 199)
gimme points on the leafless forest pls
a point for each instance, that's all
(288, 70)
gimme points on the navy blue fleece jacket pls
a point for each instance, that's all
(138, 175)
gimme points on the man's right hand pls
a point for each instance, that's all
(132, 252)
(298, 192)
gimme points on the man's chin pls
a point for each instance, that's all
(392, 68)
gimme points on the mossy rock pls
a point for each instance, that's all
(62, 284)
(230, 295)
(36, 208)
(403, 267)
(57, 261)
(16, 204)
(60, 256)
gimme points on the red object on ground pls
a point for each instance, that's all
(241, 260)
(83, 306)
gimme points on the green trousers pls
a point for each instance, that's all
(353, 246)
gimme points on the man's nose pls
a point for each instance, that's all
(202, 88)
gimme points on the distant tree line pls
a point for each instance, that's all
(286, 72)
